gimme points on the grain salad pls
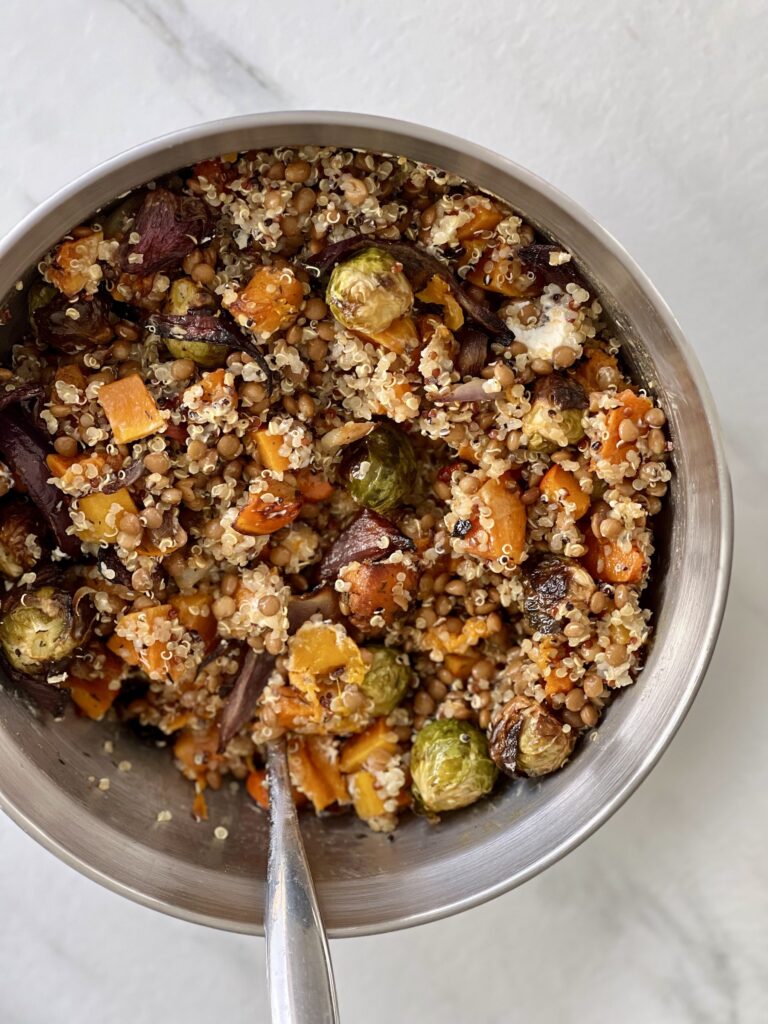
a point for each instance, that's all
(330, 444)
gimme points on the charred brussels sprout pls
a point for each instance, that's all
(556, 413)
(43, 627)
(525, 739)
(20, 532)
(450, 765)
(186, 295)
(379, 470)
(386, 680)
(369, 291)
(550, 582)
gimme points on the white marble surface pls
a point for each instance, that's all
(650, 113)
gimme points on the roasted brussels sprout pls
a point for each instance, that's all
(450, 765)
(549, 582)
(556, 413)
(185, 295)
(386, 680)
(526, 739)
(369, 291)
(41, 628)
(20, 533)
(379, 470)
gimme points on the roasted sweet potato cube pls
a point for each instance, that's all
(270, 301)
(382, 589)
(75, 264)
(130, 409)
(562, 487)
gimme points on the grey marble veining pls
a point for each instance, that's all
(653, 116)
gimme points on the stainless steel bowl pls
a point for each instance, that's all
(366, 883)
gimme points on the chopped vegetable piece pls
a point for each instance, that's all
(633, 408)
(75, 264)
(377, 591)
(499, 531)
(270, 301)
(268, 446)
(369, 291)
(400, 336)
(240, 704)
(256, 784)
(41, 628)
(319, 650)
(168, 226)
(130, 409)
(609, 561)
(194, 612)
(96, 696)
(386, 680)
(526, 739)
(365, 799)
(102, 512)
(315, 774)
(141, 639)
(313, 486)
(379, 470)
(259, 517)
(369, 536)
(356, 751)
(438, 292)
(20, 532)
(561, 487)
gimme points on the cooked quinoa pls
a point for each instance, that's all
(332, 444)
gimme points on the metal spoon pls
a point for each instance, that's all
(299, 970)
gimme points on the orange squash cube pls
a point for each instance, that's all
(561, 487)
(130, 409)
(270, 301)
(103, 511)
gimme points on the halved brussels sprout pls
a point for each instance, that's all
(526, 739)
(549, 582)
(386, 680)
(379, 470)
(369, 291)
(450, 765)
(40, 628)
(185, 295)
(556, 414)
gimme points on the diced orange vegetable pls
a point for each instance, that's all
(485, 217)
(256, 784)
(149, 658)
(562, 487)
(69, 373)
(497, 273)
(313, 486)
(61, 466)
(194, 612)
(633, 407)
(557, 684)
(507, 534)
(474, 629)
(197, 751)
(294, 712)
(460, 665)
(95, 696)
(438, 292)
(270, 301)
(401, 336)
(219, 386)
(318, 649)
(103, 511)
(607, 561)
(314, 774)
(365, 799)
(378, 588)
(259, 518)
(357, 750)
(268, 446)
(597, 370)
(130, 409)
(73, 263)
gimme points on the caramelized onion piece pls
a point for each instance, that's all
(535, 260)
(55, 327)
(24, 448)
(170, 226)
(302, 608)
(251, 680)
(368, 537)
(473, 351)
(210, 329)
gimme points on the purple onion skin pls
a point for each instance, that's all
(360, 542)
(54, 328)
(251, 680)
(124, 477)
(170, 226)
(22, 393)
(213, 330)
(421, 266)
(473, 351)
(301, 609)
(24, 449)
(535, 260)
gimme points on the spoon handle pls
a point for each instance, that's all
(301, 987)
